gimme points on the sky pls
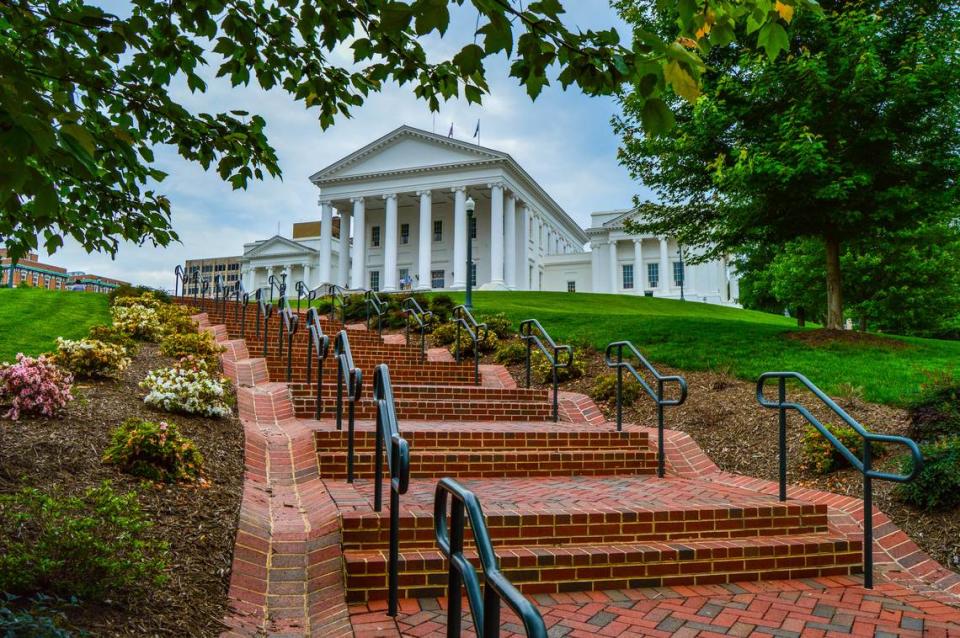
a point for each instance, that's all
(563, 139)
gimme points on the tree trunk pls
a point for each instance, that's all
(834, 292)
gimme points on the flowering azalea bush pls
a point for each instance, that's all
(90, 357)
(201, 345)
(155, 451)
(140, 322)
(176, 319)
(33, 387)
(187, 387)
(110, 334)
(148, 318)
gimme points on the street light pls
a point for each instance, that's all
(471, 206)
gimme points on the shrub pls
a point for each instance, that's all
(499, 325)
(33, 387)
(147, 299)
(938, 484)
(175, 319)
(137, 321)
(31, 617)
(109, 334)
(543, 371)
(510, 353)
(91, 545)
(186, 387)
(201, 345)
(488, 343)
(89, 358)
(604, 389)
(155, 451)
(442, 307)
(125, 291)
(444, 333)
(818, 454)
(936, 411)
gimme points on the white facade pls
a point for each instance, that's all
(401, 205)
(621, 263)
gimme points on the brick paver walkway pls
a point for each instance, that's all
(836, 606)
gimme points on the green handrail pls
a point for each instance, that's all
(863, 465)
(349, 386)
(657, 395)
(527, 333)
(411, 309)
(476, 331)
(373, 302)
(318, 345)
(485, 607)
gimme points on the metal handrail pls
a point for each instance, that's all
(423, 317)
(527, 334)
(220, 296)
(264, 310)
(336, 293)
(318, 345)
(204, 287)
(289, 322)
(373, 302)
(656, 395)
(240, 309)
(180, 281)
(476, 331)
(349, 386)
(863, 465)
(195, 276)
(484, 608)
(280, 287)
(304, 292)
(397, 451)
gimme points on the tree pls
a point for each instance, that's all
(84, 93)
(852, 135)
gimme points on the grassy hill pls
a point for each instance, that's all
(31, 319)
(697, 336)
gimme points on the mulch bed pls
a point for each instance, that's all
(823, 337)
(199, 523)
(721, 413)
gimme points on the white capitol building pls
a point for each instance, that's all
(394, 214)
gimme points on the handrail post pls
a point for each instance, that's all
(782, 396)
(867, 515)
(339, 394)
(661, 452)
(458, 342)
(620, 388)
(454, 604)
(556, 388)
(393, 571)
(529, 349)
(378, 471)
(350, 429)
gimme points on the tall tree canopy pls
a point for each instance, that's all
(84, 93)
(852, 135)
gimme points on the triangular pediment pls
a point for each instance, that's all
(277, 246)
(617, 221)
(404, 149)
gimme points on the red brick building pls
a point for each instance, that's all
(41, 275)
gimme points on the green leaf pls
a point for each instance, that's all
(657, 117)
(81, 136)
(773, 38)
(432, 15)
(682, 82)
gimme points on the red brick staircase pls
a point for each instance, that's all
(571, 507)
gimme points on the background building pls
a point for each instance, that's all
(228, 267)
(42, 275)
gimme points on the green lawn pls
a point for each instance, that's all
(31, 319)
(697, 336)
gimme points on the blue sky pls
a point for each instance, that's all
(564, 140)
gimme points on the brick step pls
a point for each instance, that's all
(437, 462)
(597, 567)
(578, 510)
(426, 392)
(488, 436)
(448, 410)
(366, 360)
(400, 376)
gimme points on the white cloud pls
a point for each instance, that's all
(563, 139)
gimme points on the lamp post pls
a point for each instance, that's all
(471, 206)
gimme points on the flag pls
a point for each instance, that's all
(450, 134)
(476, 132)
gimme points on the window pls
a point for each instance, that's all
(438, 232)
(233, 267)
(375, 237)
(473, 274)
(436, 276)
(375, 279)
(404, 274)
(404, 233)
(473, 228)
(571, 286)
(678, 273)
(627, 276)
(653, 275)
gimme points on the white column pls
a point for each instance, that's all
(245, 279)
(326, 241)
(525, 283)
(614, 286)
(390, 244)
(496, 235)
(596, 264)
(510, 241)
(426, 228)
(307, 275)
(460, 232)
(343, 265)
(288, 278)
(665, 274)
(722, 279)
(639, 277)
(358, 278)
